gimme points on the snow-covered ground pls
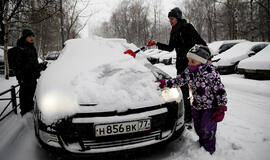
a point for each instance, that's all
(243, 134)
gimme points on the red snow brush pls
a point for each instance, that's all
(133, 53)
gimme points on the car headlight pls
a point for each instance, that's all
(171, 94)
(55, 105)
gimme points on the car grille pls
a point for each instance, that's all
(114, 143)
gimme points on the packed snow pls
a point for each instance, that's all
(260, 61)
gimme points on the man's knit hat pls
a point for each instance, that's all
(175, 12)
(199, 53)
(27, 32)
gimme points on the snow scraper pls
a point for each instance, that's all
(133, 53)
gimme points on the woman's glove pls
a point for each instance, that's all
(218, 115)
(151, 43)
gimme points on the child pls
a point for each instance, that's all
(210, 99)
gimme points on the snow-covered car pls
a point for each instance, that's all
(227, 62)
(95, 99)
(168, 58)
(218, 47)
(2, 63)
(257, 66)
(52, 55)
(154, 58)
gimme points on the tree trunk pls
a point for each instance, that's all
(1, 22)
(6, 39)
(251, 20)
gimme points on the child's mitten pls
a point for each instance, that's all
(218, 115)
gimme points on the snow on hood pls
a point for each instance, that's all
(95, 71)
(260, 61)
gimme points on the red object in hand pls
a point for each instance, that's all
(151, 43)
(218, 115)
(162, 83)
(133, 54)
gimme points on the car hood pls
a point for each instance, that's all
(95, 76)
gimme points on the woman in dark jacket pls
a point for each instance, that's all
(183, 37)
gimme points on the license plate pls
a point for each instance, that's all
(122, 128)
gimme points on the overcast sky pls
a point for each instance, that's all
(103, 10)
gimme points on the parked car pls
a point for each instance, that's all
(51, 56)
(2, 62)
(258, 66)
(168, 59)
(150, 52)
(154, 58)
(95, 99)
(227, 62)
(218, 47)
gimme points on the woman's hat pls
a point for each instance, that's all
(176, 12)
(27, 32)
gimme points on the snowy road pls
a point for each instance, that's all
(244, 133)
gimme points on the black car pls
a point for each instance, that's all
(96, 99)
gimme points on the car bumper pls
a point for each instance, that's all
(83, 140)
(226, 69)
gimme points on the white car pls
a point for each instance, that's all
(218, 47)
(2, 63)
(96, 99)
(258, 66)
(168, 58)
(154, 58)
(227, 61)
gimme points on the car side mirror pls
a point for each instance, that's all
(251, 53)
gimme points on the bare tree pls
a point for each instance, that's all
(42, 16)
(6, 38)
(130, 21)
(264, 18)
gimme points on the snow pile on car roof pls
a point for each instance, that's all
(214, 46)
(236, 53)
(95, 71)
(260, 61)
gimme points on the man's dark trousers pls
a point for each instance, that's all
(27, 91)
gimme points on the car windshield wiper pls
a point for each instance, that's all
(158, 73)
(87, 104)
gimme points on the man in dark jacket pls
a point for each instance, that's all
(27, 69)
(183, 37)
